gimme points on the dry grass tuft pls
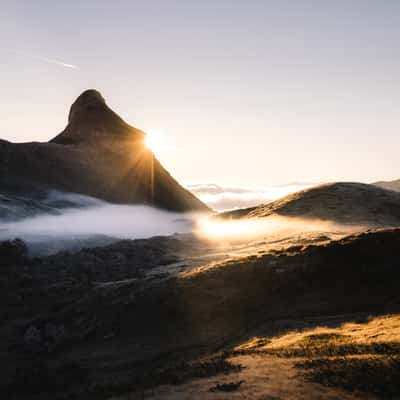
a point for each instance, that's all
(377, 375)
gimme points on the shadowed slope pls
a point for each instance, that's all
(97, 154)
(123, 335)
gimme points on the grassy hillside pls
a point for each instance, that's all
(121, 334)
(342, 202)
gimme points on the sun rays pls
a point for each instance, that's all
(157, 142)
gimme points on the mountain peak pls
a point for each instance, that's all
(97, 154)
(89, 99)
(90, 119)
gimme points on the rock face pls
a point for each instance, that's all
(343, 202)
(97, 154)
(91, 120)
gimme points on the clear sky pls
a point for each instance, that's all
(245, 92)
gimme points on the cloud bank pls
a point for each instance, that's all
(65, 221)
(86, 222)
(223, 198)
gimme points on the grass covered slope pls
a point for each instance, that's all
(121, 334)
(390, 185)
(356, 356)
(342, 202)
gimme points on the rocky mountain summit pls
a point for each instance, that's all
(97, 154)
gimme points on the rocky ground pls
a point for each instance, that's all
(182, 317)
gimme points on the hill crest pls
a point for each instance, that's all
(343, 202)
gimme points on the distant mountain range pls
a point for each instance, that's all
(98, 155)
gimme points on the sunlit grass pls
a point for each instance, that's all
(354, 356)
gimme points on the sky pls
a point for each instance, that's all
(247, 93)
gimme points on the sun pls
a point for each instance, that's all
(157, 142)
(151, 141)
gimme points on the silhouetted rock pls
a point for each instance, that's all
(97, 154)
(90, 119)
(13, 252)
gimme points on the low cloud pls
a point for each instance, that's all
(223, 198)
(65, 221)
(86, 222)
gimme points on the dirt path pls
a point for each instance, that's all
(263, 377)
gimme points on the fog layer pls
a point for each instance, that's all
(223, 198)
(84, 221)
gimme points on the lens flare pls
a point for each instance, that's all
(273, 227)
(152, 141)
(218, 229)
(158, 143)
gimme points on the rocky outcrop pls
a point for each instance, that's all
(97, 154)
(13, 252)
(91, 120)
